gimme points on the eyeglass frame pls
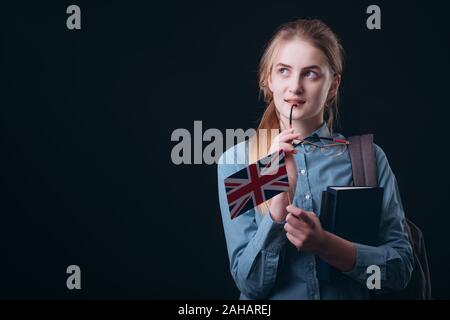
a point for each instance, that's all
(340, 142)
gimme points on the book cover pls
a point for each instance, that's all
(352, 213)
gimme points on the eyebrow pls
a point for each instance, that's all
(288, 66)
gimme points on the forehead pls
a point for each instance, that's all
(299, 53)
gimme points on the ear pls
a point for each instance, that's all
(334, 86)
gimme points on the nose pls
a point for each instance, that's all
(296, 85)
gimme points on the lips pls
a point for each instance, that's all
(295, 101)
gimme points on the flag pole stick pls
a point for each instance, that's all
(290, 127)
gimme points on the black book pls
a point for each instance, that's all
(352, 213)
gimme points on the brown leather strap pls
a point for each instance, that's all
(362, 155)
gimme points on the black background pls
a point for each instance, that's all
(87, 116)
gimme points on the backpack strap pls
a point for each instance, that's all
(362, 155)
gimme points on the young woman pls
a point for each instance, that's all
(273, 248)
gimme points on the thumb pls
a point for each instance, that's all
(306, 218)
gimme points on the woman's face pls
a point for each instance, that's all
(301, 75)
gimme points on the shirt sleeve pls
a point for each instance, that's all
(253, 250)
(394, 256)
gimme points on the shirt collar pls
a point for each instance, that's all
(322, 131)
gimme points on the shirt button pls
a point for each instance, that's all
(308, 196)
(303, 171)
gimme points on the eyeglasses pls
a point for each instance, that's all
(325, 145)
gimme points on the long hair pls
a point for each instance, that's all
(318, 34)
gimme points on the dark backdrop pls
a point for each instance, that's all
(87, 116)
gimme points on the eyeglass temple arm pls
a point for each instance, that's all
(323, 138)
(335, 140)
(305, 141)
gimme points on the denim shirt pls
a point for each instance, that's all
(265, 265)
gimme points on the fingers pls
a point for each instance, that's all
(296, 240)
(284, 142)
(296, 227)
(294, 210)
(288, 148)
(289, 137)
(290, 229)
(295, 222)
(282, 133)
(300, 214)
(292, 239)
(306, 218)
(299, 226)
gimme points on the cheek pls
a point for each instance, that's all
(277, 88)
(318, 90)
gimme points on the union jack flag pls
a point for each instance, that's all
(256, 183)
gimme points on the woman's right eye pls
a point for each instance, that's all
(283, 71)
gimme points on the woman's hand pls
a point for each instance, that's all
(278, 203)
(304, 231)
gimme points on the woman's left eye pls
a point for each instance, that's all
(311, 74)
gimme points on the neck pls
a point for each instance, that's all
(304, 127)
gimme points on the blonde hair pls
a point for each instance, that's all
(318, 34)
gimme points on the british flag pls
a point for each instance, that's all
(256, 183)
